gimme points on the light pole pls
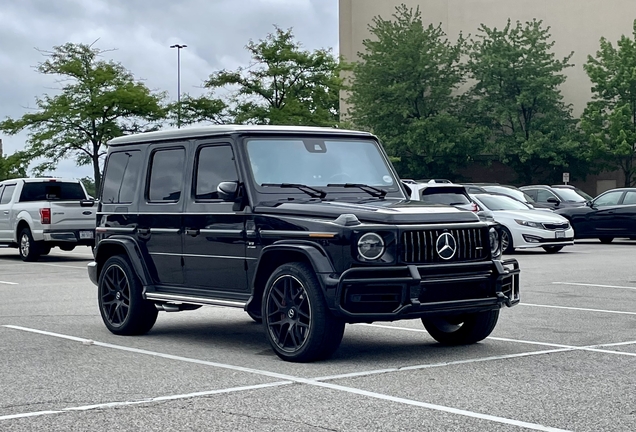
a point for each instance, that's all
(178, 47)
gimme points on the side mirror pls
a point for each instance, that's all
(227, 191)
(553, 200)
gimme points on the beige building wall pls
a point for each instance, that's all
(575, 25)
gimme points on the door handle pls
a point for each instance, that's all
(143, 231)
(192, 232)
(6, 212)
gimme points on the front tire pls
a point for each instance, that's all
(606, 240)
(29, 250)
(121, 304)
(297, 322)
(552, 249)
(462, 330)
(506, 241)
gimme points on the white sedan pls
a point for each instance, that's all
(525, 227)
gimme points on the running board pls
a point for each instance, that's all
(172, 298)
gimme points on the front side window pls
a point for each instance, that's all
(120, 178)
(608, 199)
(215, 164)
(630, 198)
(166, 175)
(570, 195)
(7, 194)
(543, 195)
(318, 162)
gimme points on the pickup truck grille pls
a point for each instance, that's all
(419, 247)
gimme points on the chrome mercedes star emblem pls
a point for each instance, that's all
(446, 246)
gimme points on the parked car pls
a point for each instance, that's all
(37, 214)
(304, 228)
(575, 189)
(525, 227)
(554, 197)
(610, 215)
(442, 194)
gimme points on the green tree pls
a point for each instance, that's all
(517, 97)
(14, 166)
(98, 100)
(403, 89)
(89, 185)
(202, 109)
(284, 85)
(609, 120)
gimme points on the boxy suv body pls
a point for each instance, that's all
(305, 228)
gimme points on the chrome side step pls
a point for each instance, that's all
(173, 298)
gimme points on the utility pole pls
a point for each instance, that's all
(178, 47)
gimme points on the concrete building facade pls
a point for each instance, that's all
(575, 25)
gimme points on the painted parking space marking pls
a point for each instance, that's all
(578, 309)
(593, 285)
(308, 381)
(62, 266)
(148, 400)
(8, 283)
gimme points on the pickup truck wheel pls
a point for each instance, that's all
(552, 249)
(68, 248)
(29, 249)
(298, 324)
(462, 330)
(123, 309)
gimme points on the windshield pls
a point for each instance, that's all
(498, 202)
(318, 162)
(569, 195)
(518, 194)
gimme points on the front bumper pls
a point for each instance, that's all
(414, 291)
(92, 271)
(531, 238)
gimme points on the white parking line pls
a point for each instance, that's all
(578, 309)
(312, 382)
(593, 285)
(61, 265)
(149, 400)
(8, 283)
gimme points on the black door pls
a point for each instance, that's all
(214, 230)
(605, 219)
(160, 217)
(628, 213)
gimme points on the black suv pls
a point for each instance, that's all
(305, 228)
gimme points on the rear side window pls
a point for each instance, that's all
(48, 191)
(120, 179)
(166, 175)
(7, 194)
(214, 165)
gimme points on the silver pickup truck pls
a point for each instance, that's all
(37, 214)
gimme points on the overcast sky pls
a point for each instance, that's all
(141, 31)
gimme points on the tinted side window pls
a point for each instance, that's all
(166, 175)
(608, 199)
(446, 198)
(45, 191)
(532, 193)
(630, 198)
(214, 165)
(120, 179)
(544, 195)
(7, 194)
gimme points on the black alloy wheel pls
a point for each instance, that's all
(462, 329)
(123, 309)
(297, 322)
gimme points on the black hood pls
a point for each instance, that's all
(379, 211)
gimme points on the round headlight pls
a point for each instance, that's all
(494, 242)
(371, 246)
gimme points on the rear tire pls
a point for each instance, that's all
(29, 250)
(462, 330)
(297, 322)
(552, 249)
(45, 249)
(606, 240)
(121, 304)
(68, 248)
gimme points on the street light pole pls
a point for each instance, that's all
(178, 47)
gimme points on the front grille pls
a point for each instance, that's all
(556, 226)
(472, 244)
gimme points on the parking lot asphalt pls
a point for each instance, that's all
(563, 359)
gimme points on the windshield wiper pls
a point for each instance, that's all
(312, 192)
(371, 190)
